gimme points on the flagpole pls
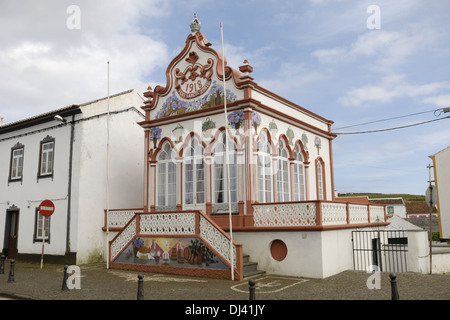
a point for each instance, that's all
(226, 157)
(107, 180)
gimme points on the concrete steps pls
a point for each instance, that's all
(250, 268)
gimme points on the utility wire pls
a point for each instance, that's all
(394, 128)
(399, 117)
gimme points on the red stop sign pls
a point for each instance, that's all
(46, 208)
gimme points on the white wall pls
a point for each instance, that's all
(311, 254)
(126, 174)
(27, 194)
(88, 177)
(442, 170)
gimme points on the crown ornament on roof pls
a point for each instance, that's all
(195, 24)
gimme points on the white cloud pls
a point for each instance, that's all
(382, 50)
(389, 88)
(442, 100)
(55, 66)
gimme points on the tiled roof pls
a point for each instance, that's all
(417, 207)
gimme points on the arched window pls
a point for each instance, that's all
(220, 182)
(194, 174)
(283, 172)
(320, 179)
(299, 175)
(264, 169)
(166, 177)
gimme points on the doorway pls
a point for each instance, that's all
(11, 232)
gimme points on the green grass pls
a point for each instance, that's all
(409, 197)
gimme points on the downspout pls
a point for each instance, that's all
(69, 191)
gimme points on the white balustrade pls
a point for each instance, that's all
(123, 238)
(217, 239)
(333, 213)
(376, 213)
(358, 213)
(304, 214)
(284, 214)
(168, 223)
(119, 218)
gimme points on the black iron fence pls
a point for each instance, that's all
(380, 250)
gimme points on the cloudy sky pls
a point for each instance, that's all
(366, 65)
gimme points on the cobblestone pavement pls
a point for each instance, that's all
(99, 283)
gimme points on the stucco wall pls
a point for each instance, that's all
(309, 254)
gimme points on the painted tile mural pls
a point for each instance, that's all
(181, 252)
(214, 97)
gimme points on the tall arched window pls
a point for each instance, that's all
(283, 172)
(320, 179)
(264, 169)
(299, 175)
(194, 174)
(220, 182)
(166, 177)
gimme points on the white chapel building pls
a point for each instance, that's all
(272, 200)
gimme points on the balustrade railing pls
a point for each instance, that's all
(315, 213)
(118, 218)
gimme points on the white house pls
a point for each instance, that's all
(65, 162)
(273, 199)
(394, 206)
(441, 161)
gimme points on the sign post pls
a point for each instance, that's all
(46, 209)
(431, 198)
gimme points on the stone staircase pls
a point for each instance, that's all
(250, 268)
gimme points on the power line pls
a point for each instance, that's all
(399, 117)
(394, 128)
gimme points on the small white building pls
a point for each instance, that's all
(441, 163)
(65, 162)
(394, 206)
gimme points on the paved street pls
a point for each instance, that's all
(98, 283)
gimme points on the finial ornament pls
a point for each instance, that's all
(195, 24)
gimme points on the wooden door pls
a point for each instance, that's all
(12, 231)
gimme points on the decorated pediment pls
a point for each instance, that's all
(194, 80)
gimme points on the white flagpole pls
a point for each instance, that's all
(107, 180)
(227, 158)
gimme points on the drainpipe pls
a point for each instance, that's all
(69, 191)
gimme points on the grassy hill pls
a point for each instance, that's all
(409, 197)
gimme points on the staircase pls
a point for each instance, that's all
(250, 268)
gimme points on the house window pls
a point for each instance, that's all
(39, 227)
(220, 183)
(390, 209)
(16, 167)
(46, 159)
(283, 172)
(320, 180)
(264, 170)
(194, 173)
(167, 177)
(299, 175)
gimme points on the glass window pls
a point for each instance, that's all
(283, 172)
(166, 177)
(220, 183)
(47, 157)
(320, 190)
(16, 163)
(194, 173)
(264, 170)
(39, 227)
(299, 175)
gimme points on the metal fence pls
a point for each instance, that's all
(383, 250)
